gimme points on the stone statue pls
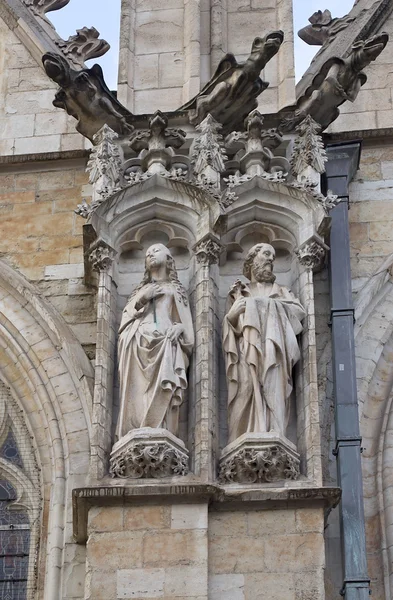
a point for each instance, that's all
(231, 93)
(260, 347)
(83, 94)
(156, 338)
(340, 79)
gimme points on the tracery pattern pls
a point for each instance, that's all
(14, 546)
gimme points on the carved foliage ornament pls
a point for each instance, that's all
(251, 465)
(156, 144)
(104, 166)
(141, 460)
(311, 255)
(83, 46)
(259, 144)
(101, 256)
(41, 7)
(308, 150)
(208, 153)
(207, 251)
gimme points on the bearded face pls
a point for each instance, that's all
(262, 265)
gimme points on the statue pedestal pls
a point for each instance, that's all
(259, 458)
(148, 452)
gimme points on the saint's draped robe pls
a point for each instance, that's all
(260, 352)
(152, 369)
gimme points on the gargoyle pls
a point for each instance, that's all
(84, 95)
(232, 92)
(340, 79)
(323, 27)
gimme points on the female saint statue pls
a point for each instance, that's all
(156, 337)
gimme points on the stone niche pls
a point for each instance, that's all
(199, 530)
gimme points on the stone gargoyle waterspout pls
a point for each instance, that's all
(84, 95)
(231, 94)
(339, 79)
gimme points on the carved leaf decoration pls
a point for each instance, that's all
(41, 7)
(84, 45)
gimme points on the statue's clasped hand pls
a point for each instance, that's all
(238, 308)
(148, 293)
(174, 332)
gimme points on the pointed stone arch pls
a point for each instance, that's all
(50, 377)
(374, 355)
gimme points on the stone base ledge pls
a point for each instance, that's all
(259, 458)
(148, 453)
(232, 497)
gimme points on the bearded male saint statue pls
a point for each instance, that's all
(156, 337)
(260, 347)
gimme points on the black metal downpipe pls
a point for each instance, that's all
(342, 165)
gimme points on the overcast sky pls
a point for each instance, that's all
(79, 13)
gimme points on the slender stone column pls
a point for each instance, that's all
(341, 166)
(101, 257)
(207, 252)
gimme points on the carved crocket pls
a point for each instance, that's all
(232, 92)
(84, 95)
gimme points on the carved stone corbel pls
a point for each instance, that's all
(312, 254)
(101, 256)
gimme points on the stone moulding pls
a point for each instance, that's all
(147, 452)
(222, 498)
(259, 458)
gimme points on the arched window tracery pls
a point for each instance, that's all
(20, 503)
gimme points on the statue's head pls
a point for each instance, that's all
(158, 255)
(258, 265)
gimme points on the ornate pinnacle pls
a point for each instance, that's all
(157, 143)
(104, 165)
(308, 149)
(259, 144)
(207, 153)
(83, 46)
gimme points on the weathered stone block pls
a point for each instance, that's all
(228, 586)
(189, 516)
(163, 548)
(115, 550)
(159, 31)
(146, 517)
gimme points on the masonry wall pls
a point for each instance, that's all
(41, 236)
(184, 551)
(29, 123)
(167, 53)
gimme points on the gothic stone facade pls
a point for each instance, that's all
(65, 279)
